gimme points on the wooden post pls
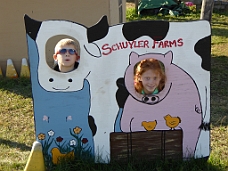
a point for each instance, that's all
(207, 9)
(136, 6)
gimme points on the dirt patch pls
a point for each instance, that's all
(130, 5)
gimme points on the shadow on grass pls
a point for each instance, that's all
(220, 12)
(13, 144)
(20, 86)
(152, 165)
(220, 32)
(219, 91)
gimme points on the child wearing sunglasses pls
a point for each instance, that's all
(66, 55)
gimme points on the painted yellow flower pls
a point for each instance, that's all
(41, 136)
(77, 130)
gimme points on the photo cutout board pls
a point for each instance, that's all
(96, 112)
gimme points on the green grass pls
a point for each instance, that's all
(159, 165)
(17, 124)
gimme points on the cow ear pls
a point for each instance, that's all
(32, 26)
(168, 57)
(133, 58)
(98, 31)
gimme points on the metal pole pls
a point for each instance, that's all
(207, 9)
(136, 6)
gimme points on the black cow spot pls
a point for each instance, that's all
(92, 125)
(203, 49)
(157, 30)
(121, 93)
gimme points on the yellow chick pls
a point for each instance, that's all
(149, 126)
(172, 122)
(57, 155)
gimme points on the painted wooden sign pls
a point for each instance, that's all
(95, 110)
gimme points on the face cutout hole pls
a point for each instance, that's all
(62, 53)
(149, 77)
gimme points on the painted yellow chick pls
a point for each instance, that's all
(149, 126)
(57, 155)
(172, 122)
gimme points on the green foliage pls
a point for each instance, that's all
(193, 9)
(192, 15)
(143, 165)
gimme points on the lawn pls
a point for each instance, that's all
(17, 124)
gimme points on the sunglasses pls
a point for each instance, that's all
(64, 51)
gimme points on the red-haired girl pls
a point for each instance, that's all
(149, 77)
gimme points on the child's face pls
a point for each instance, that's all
(66, 60)
(150, 81)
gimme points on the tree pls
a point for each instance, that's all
(207, 9)
(136, 6)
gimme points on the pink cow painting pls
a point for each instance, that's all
(177, 106)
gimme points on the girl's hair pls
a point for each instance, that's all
(145, 65)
